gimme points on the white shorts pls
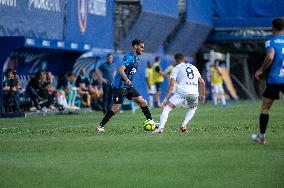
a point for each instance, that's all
(218, 88)
(178, 99)
(152, 90)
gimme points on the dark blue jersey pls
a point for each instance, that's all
(276, 74)
(130, 61)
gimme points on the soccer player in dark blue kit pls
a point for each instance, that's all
(123, 87)
(274, 60)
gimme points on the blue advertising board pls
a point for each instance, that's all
(32, 18)
(91, 21)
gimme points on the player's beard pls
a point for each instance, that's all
(138, 53)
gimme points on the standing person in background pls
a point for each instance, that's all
(169, 70)
(108, 70)
(274, 60)
(11, 91)
(217, 84)
(188, 81)
(158, 76)
(150, 84)
(123, 87)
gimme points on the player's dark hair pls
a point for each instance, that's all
(38, 74)
(278, 24)
(109, 54)
(179, 57)
(69, 74)
(216, 60)
(137, 42)
(157, 58)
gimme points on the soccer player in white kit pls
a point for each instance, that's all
(187, 79)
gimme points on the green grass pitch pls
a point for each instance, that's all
(65, 150)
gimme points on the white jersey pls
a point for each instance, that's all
(186, 76)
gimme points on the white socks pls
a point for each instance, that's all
(189, 114)
(223, 100)
(164, 116)
(215, 99)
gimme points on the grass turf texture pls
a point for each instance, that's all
(65, 151)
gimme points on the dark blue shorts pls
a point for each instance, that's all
(158, 86)
(272, 91)
(119, 94)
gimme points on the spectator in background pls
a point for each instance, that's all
(61, 95)
(82, 84)
(36, 89)
(158, 76)
(217, 84)
(51, 91)
(151, 88)
(82, 79)
(105, 73)
(71, 90)
(11, 92)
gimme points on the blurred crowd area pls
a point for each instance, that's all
(46, 92)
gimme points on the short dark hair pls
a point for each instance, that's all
(179, 57)
(10, 70)
(137, 42)
(278, 24)
(216, 60)
(109, 54)
(157, 58)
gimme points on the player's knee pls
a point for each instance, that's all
(265, 108)
(142, 102)
(115, 108)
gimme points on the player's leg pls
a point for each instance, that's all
(165, 114)
(151, 100)
(105, 95)
(264, 115)
(173, 102)
(143, 105)
(118, 97)
(214, 96)
(158, 94)
(109, 98)
(222, 95)
(270, 94)
(133, 94)
(263, 120)
(151, 92)
(189, 115)
(192, 103)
